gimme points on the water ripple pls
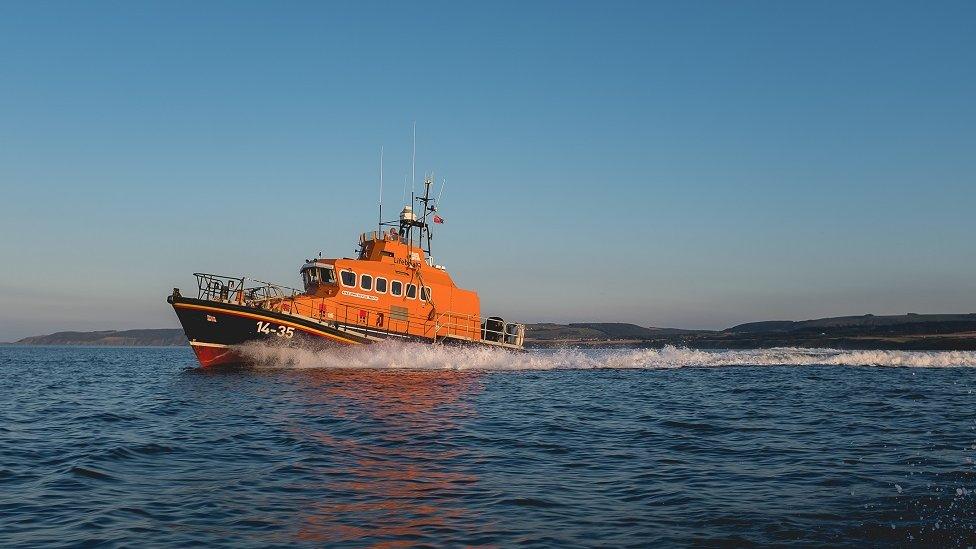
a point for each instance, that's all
(566, 448)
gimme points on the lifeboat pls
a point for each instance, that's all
(391, 290)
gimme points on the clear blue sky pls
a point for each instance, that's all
(691, 164)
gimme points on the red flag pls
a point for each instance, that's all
(438, 219)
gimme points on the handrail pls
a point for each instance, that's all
(226, 288)
(511, 333)
(381, 235)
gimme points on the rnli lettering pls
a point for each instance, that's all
(360, 296)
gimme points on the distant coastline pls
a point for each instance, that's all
(162, 337)
(938, 332)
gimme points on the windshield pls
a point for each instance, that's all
(313, 276)
(327, 275)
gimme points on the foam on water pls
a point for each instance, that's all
(399, 355)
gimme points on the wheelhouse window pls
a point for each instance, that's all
(411, 291)
(366, 282)
(396, 288)
(380, 285)
(425, 293)
(327, 275)
(314, 276)
(308, 277)
(348, 278)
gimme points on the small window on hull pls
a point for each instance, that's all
(366, 282)
(380, 285)
(396, 288)
(348, 278)
(425, 293)
(411, 291)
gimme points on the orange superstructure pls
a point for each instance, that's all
(391, 287)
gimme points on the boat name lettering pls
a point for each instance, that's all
(360, 296)
(409, 263)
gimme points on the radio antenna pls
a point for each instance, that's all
(443, 184)
(413, 161)
(379, 227)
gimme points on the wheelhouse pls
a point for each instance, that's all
(316, 274)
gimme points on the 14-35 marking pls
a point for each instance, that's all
(280, 331)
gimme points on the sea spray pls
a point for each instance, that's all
(421, 356)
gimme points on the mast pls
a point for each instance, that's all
(409, 220)
(428, 208)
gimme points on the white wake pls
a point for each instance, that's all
(419, 356)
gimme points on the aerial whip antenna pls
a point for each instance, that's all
(413, 161)
(413, 180)
(379, 227)
(443, 184)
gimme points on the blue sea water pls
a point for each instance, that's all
(410, 445)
